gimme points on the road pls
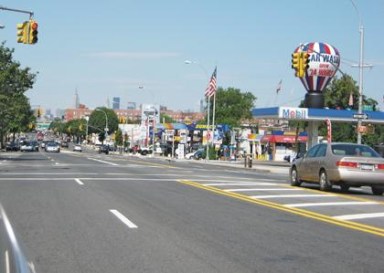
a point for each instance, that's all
(85, 212)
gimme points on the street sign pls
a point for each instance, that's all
(360, 116)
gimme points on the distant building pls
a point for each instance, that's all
(131, 105)
(76, 113)
(133, 115)
(77, 99)
(116, 103)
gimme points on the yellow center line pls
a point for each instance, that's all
(305, 213)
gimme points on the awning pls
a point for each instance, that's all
(171, 126)
(283, 139)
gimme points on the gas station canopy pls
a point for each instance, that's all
(316, 114)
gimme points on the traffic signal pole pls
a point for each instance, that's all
(18, 10)
(26, 31)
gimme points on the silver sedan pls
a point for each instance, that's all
(343, 164)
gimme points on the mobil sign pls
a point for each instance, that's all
(293, 113)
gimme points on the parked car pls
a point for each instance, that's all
(52, 147)
(64, 144)
(344, 164)
(196, 154)
(35, 145)
(27, 146)
(104, 149)
(12, 146)
(145, 150)
(77, 148)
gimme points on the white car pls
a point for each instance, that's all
(77, 148)
(52, 147)
(26, 147)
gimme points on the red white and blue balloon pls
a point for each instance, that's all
(323, 65)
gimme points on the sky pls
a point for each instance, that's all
(136, 49)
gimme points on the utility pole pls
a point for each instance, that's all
(361, 66)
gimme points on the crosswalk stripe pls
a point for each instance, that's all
(240, 184)
(291, 196)
(359, 216)
(302, 205)
(262, 189)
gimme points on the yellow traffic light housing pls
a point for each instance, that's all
(303, 64)
(22, 32)
(32, 34)
(296, 63)
(306, 60)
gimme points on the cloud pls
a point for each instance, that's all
(133, 55)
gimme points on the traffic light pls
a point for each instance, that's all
(303, 64)
(32, 35)
(296, 62)
(22, 32)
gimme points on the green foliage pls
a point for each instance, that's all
(166, 118)
(336, 96)
(15, 111)
(233, 106)
(119, 137)
(101, 118)
(57, 125)
(212, 153)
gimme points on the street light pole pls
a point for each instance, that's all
(360, 110)
(208, 104)
(86, 130)
(361, 66)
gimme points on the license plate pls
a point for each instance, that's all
(367, 167)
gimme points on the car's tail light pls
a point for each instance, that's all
(380, 166)
(346, 164)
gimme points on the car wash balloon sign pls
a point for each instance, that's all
(324, 61)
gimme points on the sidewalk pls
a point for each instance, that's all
(280, 167)
(257, 165)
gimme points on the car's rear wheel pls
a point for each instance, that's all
(325, 184)
(295, 181)
(378, 190)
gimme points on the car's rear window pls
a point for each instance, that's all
(354, 150)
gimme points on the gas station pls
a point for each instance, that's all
(315, 116)
(315, 64)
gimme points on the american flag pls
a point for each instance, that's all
(211, 89)
(278, 88)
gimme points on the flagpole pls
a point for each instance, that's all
(213, 116)
(208, 114)
(211, 90)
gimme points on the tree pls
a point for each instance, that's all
(15, 110)
(336, 96)
(232, 106)
(166, 118)
(57, 126)
(119, 137)
(76, 128)
(99, 119)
